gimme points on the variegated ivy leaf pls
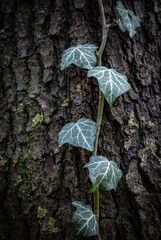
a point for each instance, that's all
(80, 134)
(85, 222)
(82, 56)
(111, 83)
(104, 174)
(128, 21)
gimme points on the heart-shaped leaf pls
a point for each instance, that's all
(128, 21)
(80, 134)
(111, 83)
(82, 56)
(85, 222)
(104, 174)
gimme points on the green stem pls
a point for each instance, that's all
(105, 30)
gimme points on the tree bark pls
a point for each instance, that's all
(38, 179)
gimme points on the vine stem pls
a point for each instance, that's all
(105, 30)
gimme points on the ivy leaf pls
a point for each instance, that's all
(80, 134)
(111, 83)
(85, 222)
(82, 56)
(128, 21)
(104, 174)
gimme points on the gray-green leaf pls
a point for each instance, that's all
(80, 134)
(85, 222)
(104, 174)
(128, 21)
(82, 56)
(111, 83)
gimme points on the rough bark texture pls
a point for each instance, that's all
(38, 181)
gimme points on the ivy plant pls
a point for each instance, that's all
(104, 174)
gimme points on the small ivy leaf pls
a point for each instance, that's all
(104, 174)
(128, 21)
(80, 134)
(85, 222)
(82, 56)
(111, 83)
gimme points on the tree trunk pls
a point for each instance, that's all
(38, 179)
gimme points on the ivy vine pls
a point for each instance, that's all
(104, 174)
